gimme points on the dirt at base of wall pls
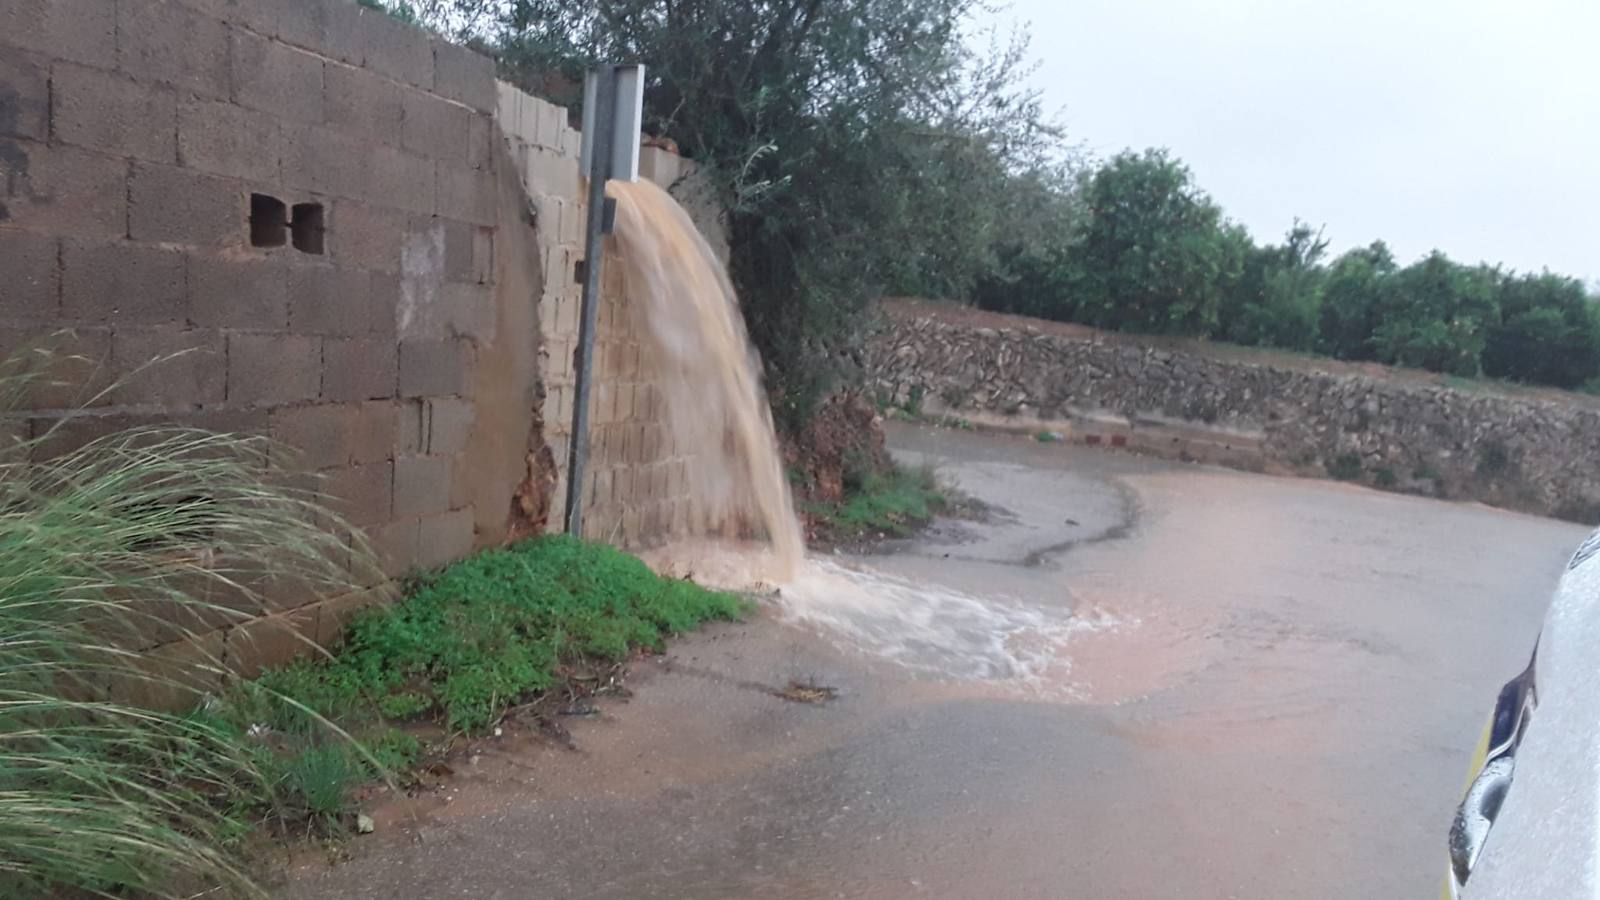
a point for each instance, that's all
(842, 438)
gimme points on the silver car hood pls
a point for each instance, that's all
(1545, 842)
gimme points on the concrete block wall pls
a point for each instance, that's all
(636, 487)
(413, 346)
(133, 134)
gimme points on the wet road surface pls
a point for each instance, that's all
(1142, 680)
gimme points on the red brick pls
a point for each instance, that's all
(122, 282)
(449, 422)
(225, 139)
(327, 162)
(80, 30)
(366, 236)
(444, 538)
(267, 369)
(421, 485)
(172, 205)
(169, 367)
(464, 76)
(361, 494)
(328, 300)
(63, 190)
(363, 368)
(319, 436)
(109, 111)
(24, 95)
(31, 288)
(393, 48)
(403, 180)
(435, 128)
(276, 79)
(360, 101)
(242, 292)
(163, 40)
(434, 367)
(466, 194)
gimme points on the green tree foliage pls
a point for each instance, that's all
(1153, 255)
(1137, 246)
(862, 145)
(1351, 298)
(1548, 332)
(1032, 264)
(1278, 297)
(1435, 314)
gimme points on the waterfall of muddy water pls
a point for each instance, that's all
(716, 409)
(721, 424)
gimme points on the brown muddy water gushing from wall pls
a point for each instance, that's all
(721, 426)
(716, 411)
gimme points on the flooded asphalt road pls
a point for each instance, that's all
(1144, 680)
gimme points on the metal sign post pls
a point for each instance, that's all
(613, 101)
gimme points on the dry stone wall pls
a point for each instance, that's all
(1534, 453)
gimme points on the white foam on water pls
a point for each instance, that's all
(934, 629)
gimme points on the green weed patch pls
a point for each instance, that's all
(892, 503)
(464, 644)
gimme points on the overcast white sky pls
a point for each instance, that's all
(1466, 125)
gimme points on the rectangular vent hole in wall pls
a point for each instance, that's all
(307, 228)
(269, 221)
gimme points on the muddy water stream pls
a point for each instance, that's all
(717, 412)
(721, 424)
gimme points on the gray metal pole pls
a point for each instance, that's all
(593, 252)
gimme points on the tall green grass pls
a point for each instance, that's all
(136, 538)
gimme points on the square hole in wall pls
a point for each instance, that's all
(269, 221)
(307, 228)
